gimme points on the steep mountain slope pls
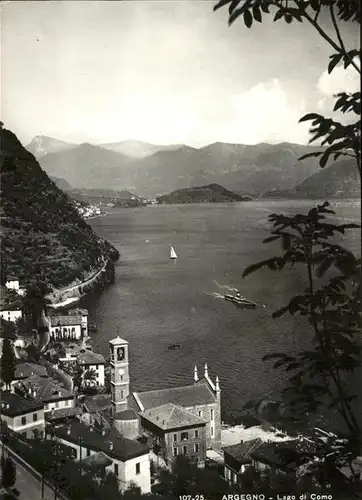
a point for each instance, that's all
(88, 166)
(61, 183)
(243, 168)
(212, 193)
(42, 234)
(42, 145)
(138, 149)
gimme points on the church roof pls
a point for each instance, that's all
(170, 416)
(186, 396)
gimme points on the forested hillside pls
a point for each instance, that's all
(43, 237)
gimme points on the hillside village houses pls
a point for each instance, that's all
(10, 305)
(88, 361)
(73, 326)
(22, 415)
(13, 283)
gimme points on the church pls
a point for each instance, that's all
(200, 399)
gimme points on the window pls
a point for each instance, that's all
(212, 431)
(23, 434)
(196, 434)
(138, 468)
(122, 395)
(175, 437)
(184, 436)
(184, 450)
(212, 414)
(88, 453)
(200, 413)
(121, 378)
(23, 420)
(196, 448)
(35, 417)
(175, 452)
(96, 367)
(116, 469)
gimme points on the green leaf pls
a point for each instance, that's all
(324, 266)
(309, 155)
(311, 116)
(257, 13)
(278, 15)
(248, 19)
(221, 4)
(335, 59)
(265, 6)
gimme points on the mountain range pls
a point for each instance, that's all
(151, 171)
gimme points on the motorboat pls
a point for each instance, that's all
(240, 301)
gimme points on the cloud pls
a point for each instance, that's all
(340, 80)
(264, 113)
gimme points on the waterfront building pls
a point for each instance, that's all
(65, 327)
(128, 459)
(176, 431)
(22, 415)
(47, 391)
(202, 398)
(84, 322)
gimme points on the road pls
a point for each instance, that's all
(29, 486)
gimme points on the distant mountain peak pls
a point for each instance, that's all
(44, 144)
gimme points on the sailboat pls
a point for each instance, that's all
(173, 255)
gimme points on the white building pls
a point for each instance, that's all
(47, 391)
(84, 321)
(65, 327)
(12, 315)
(89, 361)
(21, 414)
(129, 460)
(14, 284)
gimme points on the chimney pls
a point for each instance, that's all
(196, 377)
(111, 445)
(206, 371)
(103, 432)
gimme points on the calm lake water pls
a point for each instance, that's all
(156, 302)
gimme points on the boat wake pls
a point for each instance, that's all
(226, 287)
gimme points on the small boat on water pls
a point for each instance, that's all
(174, 346)
(173, 254)
(240, 301)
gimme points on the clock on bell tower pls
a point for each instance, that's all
(119, 374)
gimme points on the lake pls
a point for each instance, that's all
(156, 302)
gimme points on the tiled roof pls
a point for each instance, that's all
(98, 402)
(170, 416)
(14, 404)
(123, 449)
(117, 341)
(126, 415)
(24, 370)
(63, 413)
(97, 460)
(46, 389)
(79, 311)
(187, 396)
(65, 320)
(242, 451)
(90, 358)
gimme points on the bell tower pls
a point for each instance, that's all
(119, 374)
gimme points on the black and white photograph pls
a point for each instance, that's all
(180, 250)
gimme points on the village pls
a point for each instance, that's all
(88, 403)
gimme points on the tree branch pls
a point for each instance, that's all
(343, 48)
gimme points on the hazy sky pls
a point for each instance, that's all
(163, 72)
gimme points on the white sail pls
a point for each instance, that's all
(173, 254)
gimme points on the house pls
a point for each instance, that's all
(65, 327)
(12, 283)
(286, 456)
(91, 361)
(23, 415)
(177, 431)
(84, 321)
(25, 370)
(10, 305)
(129, 460)
(202, 399)
(46, 391)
